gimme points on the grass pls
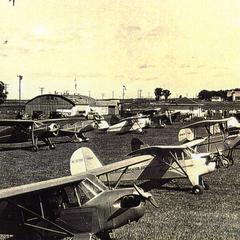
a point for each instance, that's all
(181, 215)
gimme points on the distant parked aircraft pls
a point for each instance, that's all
(17, 130)
(125, 125)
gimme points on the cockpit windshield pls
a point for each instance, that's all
(90, 188)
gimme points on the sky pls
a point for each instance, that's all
(184, 46)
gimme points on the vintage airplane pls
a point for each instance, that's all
(125, 125)
(78, 206)
(219, 136)
(17, 130)
(158, 117)
(167, 163)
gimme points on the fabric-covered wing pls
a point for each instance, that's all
(206, 123)
(38, 186)
(14, 122)
(120, 165)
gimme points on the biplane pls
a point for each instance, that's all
(18, 131)
(79, 206)
(167, 163)
(219, 136)
(125, 125)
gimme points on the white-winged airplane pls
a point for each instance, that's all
(167, 163)
(125, 125)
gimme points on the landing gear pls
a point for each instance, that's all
(203, 184)
(35, 148)
(197, 189)
(52, 146)
(225, 162)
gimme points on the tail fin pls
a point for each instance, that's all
(83, 160)
(137, 144)
(102, 125)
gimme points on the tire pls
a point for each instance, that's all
(197, 190)
(225, 162)
(52, 146)
(34, 149)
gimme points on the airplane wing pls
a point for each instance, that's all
(39, 186)
(120, 165)
(63, 181)
(206, 123)
(158, 150)
(14, 122)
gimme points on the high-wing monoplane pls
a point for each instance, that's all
(17, 130)
(219, 136)
(167, 163)
(78, 206)
(125, 125)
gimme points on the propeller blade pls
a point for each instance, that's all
(146, 195)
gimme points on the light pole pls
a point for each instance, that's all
(123, 91)
(20, 77)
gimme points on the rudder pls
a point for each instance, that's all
(83, 160)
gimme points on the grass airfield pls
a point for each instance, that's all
(181, 215)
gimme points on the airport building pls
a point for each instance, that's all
(52, 105)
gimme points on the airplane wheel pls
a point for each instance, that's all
(34, 149)
(197, 189)
(225, 162)
(52, 146)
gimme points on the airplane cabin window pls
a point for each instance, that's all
(89, 188)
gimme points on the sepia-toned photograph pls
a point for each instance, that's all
(119, 120)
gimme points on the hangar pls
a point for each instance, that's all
(49, 104)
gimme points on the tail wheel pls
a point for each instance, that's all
(52, 146)
(197, 189)
(34, 148)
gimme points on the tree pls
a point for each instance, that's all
(166, 93)
(3, 92)
(158, 93)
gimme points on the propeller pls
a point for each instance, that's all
(146, 195)
(54, 128)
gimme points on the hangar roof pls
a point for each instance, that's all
(72, 99)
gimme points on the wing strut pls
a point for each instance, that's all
(175, 159)
(61, 229)
(119, 179)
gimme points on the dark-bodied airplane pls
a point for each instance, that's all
(18, 131)
(219, 136)
(78, 206)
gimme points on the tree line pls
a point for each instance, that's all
(207, 95)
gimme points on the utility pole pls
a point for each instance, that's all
(20, 77)
(123, 91)
(102, 95)
(41, 90)
(112, 94)
(140, 93)
(75, 85)
(89, 93)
